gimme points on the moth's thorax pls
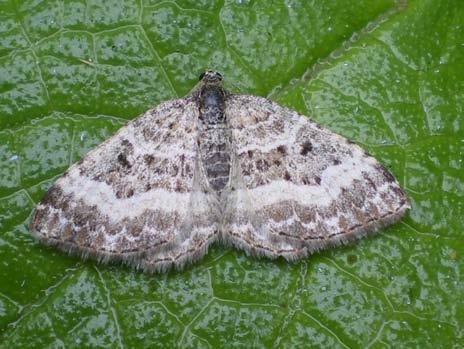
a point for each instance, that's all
(215, 137)
(212, 104)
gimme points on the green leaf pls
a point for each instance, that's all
(388, 75)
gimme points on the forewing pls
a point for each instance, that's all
(130, 198)
(304, 187)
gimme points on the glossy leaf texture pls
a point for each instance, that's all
(388, 75)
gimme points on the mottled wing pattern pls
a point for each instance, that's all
(137, 197)
(299, 187)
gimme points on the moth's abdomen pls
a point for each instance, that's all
(214, 138)
(215, 156)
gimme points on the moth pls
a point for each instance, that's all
(216, 166)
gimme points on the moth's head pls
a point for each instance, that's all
(211, 77)
(210, 80)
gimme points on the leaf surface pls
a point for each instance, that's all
(389, 76)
